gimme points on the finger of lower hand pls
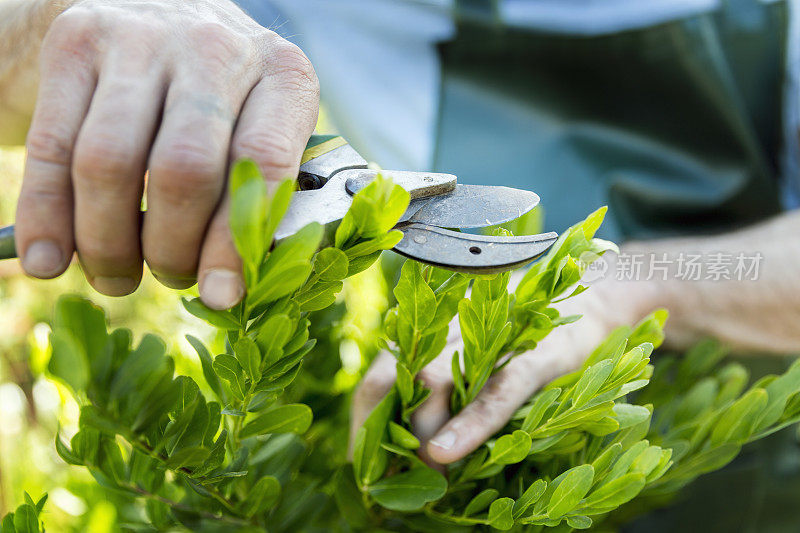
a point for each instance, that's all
(377, 382)
(435, 411)
(502, 395)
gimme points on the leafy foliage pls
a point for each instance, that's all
(264, 447)
(26, 518)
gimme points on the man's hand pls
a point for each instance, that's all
(756, 313)
(446, 439)
(177, 88)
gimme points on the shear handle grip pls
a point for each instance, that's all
(8, 248)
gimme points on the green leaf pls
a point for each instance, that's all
(604, 461)
(349, 499)
(402, 437)
(737, 422)
(220, 319)
(262, 497)
(248, 193)
(510, 449)
(291, 418)
(409, 491)
(331, 264)
(8, 524)
(249, 357)
(529, 497)
(188, 457)
(405, 383)
(40, 504)
(282, 279)
(26, 519)
(591, 381)
(481, 502)
(137, 374)
(86, 321)
(68, 360)
(369, 459)
(229, 369)
(579, 522)
(542, 401)
(779, 391)
(206, 363)
(415, 298)
(80, 343)
(279, 204)
(360, 264)
(710, 459)
(646, 461)
(570, 491)
(300, 246)
(274, 335)
(616, 492)
(629, 415)
(500, 516)
(374, 211)
(65, 452)
(319, 295)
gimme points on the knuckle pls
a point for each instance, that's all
(49, 146)
(482, 409)
(185, 173)
(272, 151)
(434, 379)
(292, 68)
(103, 161)
(221, 44)
(74, 30)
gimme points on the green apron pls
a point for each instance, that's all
(677, 128)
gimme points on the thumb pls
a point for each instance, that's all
(494, 406)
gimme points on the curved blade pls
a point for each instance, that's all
(472, 206)
(464, 252)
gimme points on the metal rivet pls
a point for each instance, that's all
(420, 239)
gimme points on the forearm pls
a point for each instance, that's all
(756, 309)
(23, 24)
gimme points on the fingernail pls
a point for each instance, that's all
(43, 259)
(115, 286)
(444, 440)
(221, 289)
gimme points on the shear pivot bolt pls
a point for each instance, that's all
(420, 239)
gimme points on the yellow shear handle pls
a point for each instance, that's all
(321, 144)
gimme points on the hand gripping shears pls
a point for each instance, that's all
(331, 172)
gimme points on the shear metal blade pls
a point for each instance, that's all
(464, 252)
(471, 206)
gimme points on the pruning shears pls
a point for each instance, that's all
(331, 172)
